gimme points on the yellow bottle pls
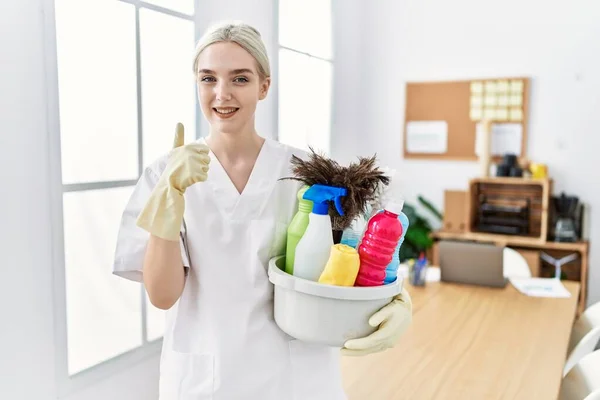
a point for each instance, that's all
(539, 171)
(342, 266)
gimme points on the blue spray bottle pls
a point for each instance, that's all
(391, 272)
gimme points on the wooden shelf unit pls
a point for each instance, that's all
(536, 192)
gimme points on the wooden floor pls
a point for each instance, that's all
(469, 342)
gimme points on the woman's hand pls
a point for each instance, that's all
(393, 320)
(162, 215)
(188, 164)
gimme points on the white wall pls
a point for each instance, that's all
(25, 288)
(555, 43)
(348, 80)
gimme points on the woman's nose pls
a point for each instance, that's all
(223, 91)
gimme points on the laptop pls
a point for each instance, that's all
(471, 263)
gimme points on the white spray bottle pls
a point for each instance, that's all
(314, 249)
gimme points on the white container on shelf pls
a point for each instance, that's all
(325, 314)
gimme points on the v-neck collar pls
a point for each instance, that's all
(247, 203)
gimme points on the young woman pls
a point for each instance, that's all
(200, 242)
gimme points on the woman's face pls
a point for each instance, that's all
(229, 87)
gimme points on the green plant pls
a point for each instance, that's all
(418, 237)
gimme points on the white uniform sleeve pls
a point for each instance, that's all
(132, 240)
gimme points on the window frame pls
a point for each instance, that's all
(68, 384)
(275, 67)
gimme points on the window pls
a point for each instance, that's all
(124, 80)
(305, 73)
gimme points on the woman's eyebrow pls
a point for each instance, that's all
(232, 72)
(241, 71)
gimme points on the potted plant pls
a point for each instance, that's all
(418, 237)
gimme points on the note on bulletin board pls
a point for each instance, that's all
(506, 139)
(427, 137)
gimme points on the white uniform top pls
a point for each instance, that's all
(221, 341)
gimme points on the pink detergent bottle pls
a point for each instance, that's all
(378, 245)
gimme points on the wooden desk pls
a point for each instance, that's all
(517, 242)
(469, 342)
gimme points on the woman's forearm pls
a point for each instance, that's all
(164, 276)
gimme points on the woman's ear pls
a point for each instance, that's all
(265, 84)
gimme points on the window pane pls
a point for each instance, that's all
(304, 101)
(103, 311)
(306, 26)
(183, 6)
(167, 46)
(97, 90)
(155, 321)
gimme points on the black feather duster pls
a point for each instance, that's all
(361, 179)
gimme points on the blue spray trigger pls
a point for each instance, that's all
(321, 194)
(338, 205)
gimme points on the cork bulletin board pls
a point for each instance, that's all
(441, 118)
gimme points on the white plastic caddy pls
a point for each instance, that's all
(325, 314)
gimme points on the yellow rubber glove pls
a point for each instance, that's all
(393, 320)
(162, 215)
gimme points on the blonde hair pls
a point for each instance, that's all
(242, 34)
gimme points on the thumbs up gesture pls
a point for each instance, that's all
(188, 164)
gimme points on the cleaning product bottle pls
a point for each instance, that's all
(313, 250)
(296, 229)
(352, 234)
(391, 272)
(378, 245)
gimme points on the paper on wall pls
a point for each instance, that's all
(501, 114)
(516, 86)
(427, 137)
(476, 87)
(516, 114)
(502, 86)
(506, 139)
(476, 114)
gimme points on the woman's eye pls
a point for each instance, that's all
(207, 79)
(241, 79)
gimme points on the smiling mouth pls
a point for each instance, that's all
(225, 112)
